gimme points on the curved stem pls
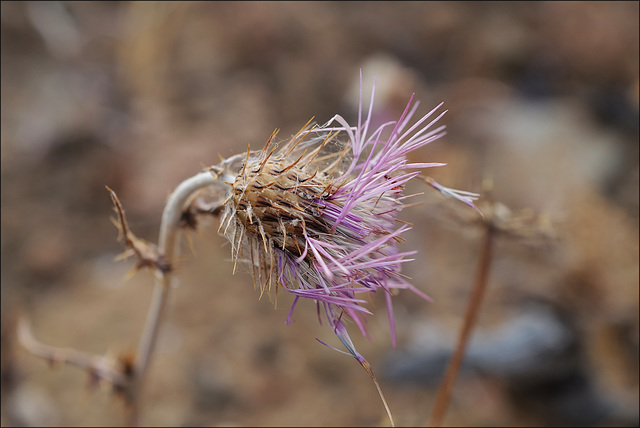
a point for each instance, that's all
(167, 247)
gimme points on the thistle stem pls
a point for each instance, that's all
(167, 247)
(99, 366)
(444, 392)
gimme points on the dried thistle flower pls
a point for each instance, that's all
(317, 215)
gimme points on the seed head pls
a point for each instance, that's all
(317, 214)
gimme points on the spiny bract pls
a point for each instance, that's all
(317, 215)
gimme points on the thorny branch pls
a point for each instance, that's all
(98, 366)
(146, 252)
(180, 212)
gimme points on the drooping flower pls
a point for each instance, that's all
(318, 215)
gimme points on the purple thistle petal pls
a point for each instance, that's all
(392, 322)
(289, 321)
(326, 209)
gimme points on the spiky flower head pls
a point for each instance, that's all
(317, 215)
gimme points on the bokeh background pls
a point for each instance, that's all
(543, 103)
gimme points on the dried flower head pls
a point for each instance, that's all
(317, 215)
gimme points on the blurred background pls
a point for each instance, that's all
(543, 103)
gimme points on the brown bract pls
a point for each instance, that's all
(277, 199)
